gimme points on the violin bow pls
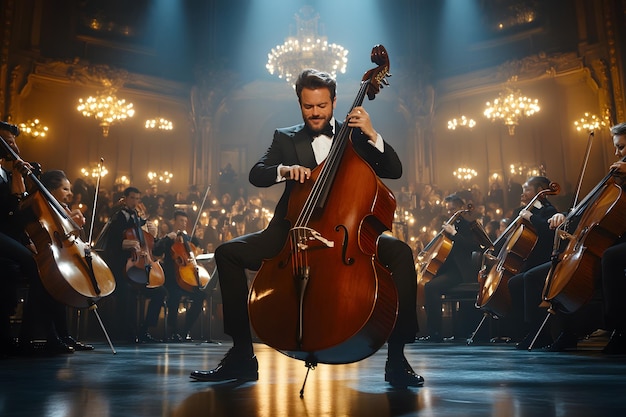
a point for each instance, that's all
(206, 193)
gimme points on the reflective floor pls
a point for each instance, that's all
(477, 380)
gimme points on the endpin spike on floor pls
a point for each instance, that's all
(471, 338)
(94, 307)
(309, 366)
(539, 331)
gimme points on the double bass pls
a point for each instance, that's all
(325, 298)
(141, 268)
(70, 271)
(588, 230)
(513, 246)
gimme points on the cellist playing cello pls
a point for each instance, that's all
(116, 250)
(295, 151)
(612, 281)
(614, 263)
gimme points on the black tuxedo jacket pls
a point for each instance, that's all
(292, 146)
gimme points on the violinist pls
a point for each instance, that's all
(163, 247)
(524, 290)
(458, 267)
(294, 152)
(614, 263)
(116, 250)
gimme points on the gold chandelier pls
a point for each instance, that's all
(160, 177)
(106, 108)
(34, 128)
(465, 174)
(160, 124)
(308, 49)
(590, 122)
(511, 106)
(462, 121)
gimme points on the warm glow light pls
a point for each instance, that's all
(160, 177)
(465, 174)
(461, 122)
(511, 107)
(306, 50)
(94, 171)
(590, 122)
(107, 109)
(160, 123)
(34, 128)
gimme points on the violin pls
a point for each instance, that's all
(514, 246)
(70, 271)
(189, 275)
(588, 230)
(141, 269)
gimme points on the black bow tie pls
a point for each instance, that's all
(328, 131)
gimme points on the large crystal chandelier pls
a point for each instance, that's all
(308, 49)
(106, 108)
(511, 106)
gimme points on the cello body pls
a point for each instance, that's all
(141, 269)
(189, 275)
(493, 295)
(325, 298)
(570, 282)
(72, 273)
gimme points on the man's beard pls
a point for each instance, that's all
(323, 127)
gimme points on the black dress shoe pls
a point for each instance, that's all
(175, 338)
(565, 341)
(57, 346)
(233, 366)
(70, 341)
(616, 345)
(431, 339)
(399, 374)
(146, 338)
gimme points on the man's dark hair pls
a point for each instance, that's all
(129, 190)
(10, 128)
(179, 213)
(619, 129)
(455, 200)
(314, 79)
(538, 182)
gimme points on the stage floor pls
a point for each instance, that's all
(477, 380)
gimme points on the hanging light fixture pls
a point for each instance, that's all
(511, 106)
(461, 122)
(34, 128)
(465, 174)
(106, 108)
(160, 177)
(94, 171)
(160, 124)
(307, 49)
(590, 122)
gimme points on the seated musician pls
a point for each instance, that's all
(612, 282)
(294, 152)
(458, 267)
(525, 292)
(163, 247)
(116, 250)
(17, 249)
(614, 263)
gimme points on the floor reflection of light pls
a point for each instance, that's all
(82, 403)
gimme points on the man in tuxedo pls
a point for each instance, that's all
(294, 152)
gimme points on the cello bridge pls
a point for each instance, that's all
(307, 238)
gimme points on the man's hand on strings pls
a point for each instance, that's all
(296, 173)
